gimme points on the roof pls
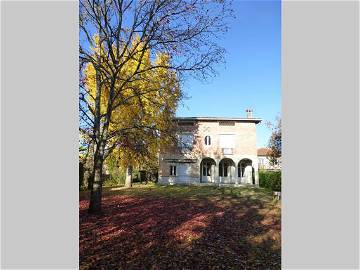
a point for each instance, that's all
(216, 119)
(264, 151)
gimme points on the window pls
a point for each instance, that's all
(227, 140)
(186, 141)
(207, 140)
(227, 143)
(172, 170)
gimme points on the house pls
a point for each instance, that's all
(214, 150)
(264, 160)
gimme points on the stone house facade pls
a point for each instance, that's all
(214, 150)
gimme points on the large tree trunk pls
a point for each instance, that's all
(128, 179)
(89, 176)
(96, 191)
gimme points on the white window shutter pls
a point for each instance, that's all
(227, 140)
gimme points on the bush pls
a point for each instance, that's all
(270, 180)
(115, 176)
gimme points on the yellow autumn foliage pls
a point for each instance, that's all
(148, 93)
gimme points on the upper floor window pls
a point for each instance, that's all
(186, 140)
(227, 140)
(207, 140)
(227, 143)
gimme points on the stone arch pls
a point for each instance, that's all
(246, 171)
(207, 170)
(227, 170)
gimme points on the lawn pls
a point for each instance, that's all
(181, 227)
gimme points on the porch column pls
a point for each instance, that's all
(212, 173)
(232, 174)
(236, 174)
(216, 173)
(241, 174)
(256, 172)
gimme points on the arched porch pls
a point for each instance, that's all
(227, 171)
(246, 171)
(207, 170)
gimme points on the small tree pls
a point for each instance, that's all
(275, 142)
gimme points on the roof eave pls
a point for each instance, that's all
(216, 119)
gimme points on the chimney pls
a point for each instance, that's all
(249, 113)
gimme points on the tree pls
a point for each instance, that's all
(152, 113)
(145, 119)
(117, 40)
(275, 142)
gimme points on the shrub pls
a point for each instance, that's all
(115, 176)
(270, 180)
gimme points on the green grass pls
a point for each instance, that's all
(186, 192)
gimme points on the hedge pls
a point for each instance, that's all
(270, 180)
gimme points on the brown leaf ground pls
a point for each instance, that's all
(181, 227)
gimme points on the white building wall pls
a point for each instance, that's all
(264, 164)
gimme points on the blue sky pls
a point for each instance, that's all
(251, 77)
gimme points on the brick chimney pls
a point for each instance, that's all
(249, 113)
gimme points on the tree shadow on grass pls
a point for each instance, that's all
(177, 233)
